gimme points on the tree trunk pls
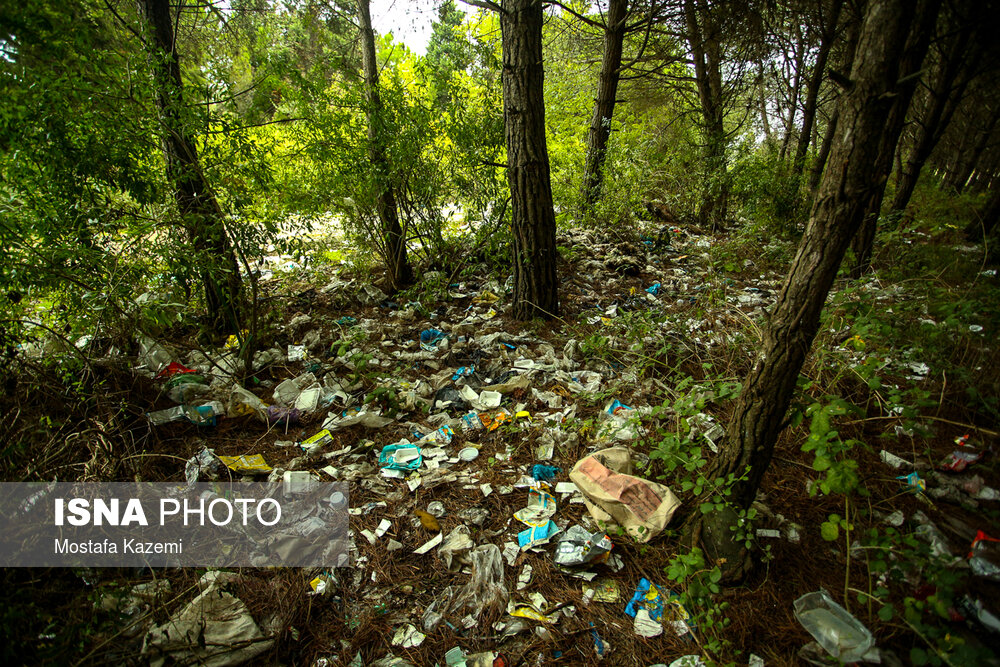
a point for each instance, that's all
(762, 101)
(534, 221)
(200, 213)
(959, 176)
(945, 94)
(824, 151)
(394, 241)
(836, 215)
(604, 105)
(812, 89)
(850, 46)
(986, 220)
(925, 17)
(703, 40)
(796, 89)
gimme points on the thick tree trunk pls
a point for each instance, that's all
(836, 215)
(703, 39)
(604, 105)
(393, 238)
(534, 221)
(946, 93)
(200, 213)
(925, 17)
(827, 39)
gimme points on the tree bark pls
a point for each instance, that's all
(850, 46)
(604, 105)
(836, 215)
(827, 39)
(703, 39)
(925, 17)
(946, 93)
(394, 241)
(200, 212)
(534, 221)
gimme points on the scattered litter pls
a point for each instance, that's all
(430, 338)
(253, 464)
(316, 442)
(836, 630)
(892, 460)
(468, 454)
(614, 496)
(204, 463)
(579, 546)
(984, 558)
(645, 626)
(408, 636)
(455, 546)
(541, 472)
(215, 628)
(646, 597)
(913, 483)
(430, 544)
(400, 457)
(524, 578)
(602, 590)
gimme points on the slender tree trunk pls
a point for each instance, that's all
(703, 40)
(800, 52)
(987, 219)
(925, 14)
(964, 166)
(824, 151)
(604, 105)
(945, 94)
(200, 213)
(534, 221)
(836, 215)
(827, 39)
(765, 122)
(394, 240)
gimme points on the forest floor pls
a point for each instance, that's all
(673, 356)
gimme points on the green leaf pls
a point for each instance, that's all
(829, 531)
(885, 613)
(918, 656)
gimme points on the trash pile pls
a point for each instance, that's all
(498, 507)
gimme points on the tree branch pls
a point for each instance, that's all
(485, 4)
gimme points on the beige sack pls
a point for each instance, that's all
(615, 496)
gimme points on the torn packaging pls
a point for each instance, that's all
(615, 496)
